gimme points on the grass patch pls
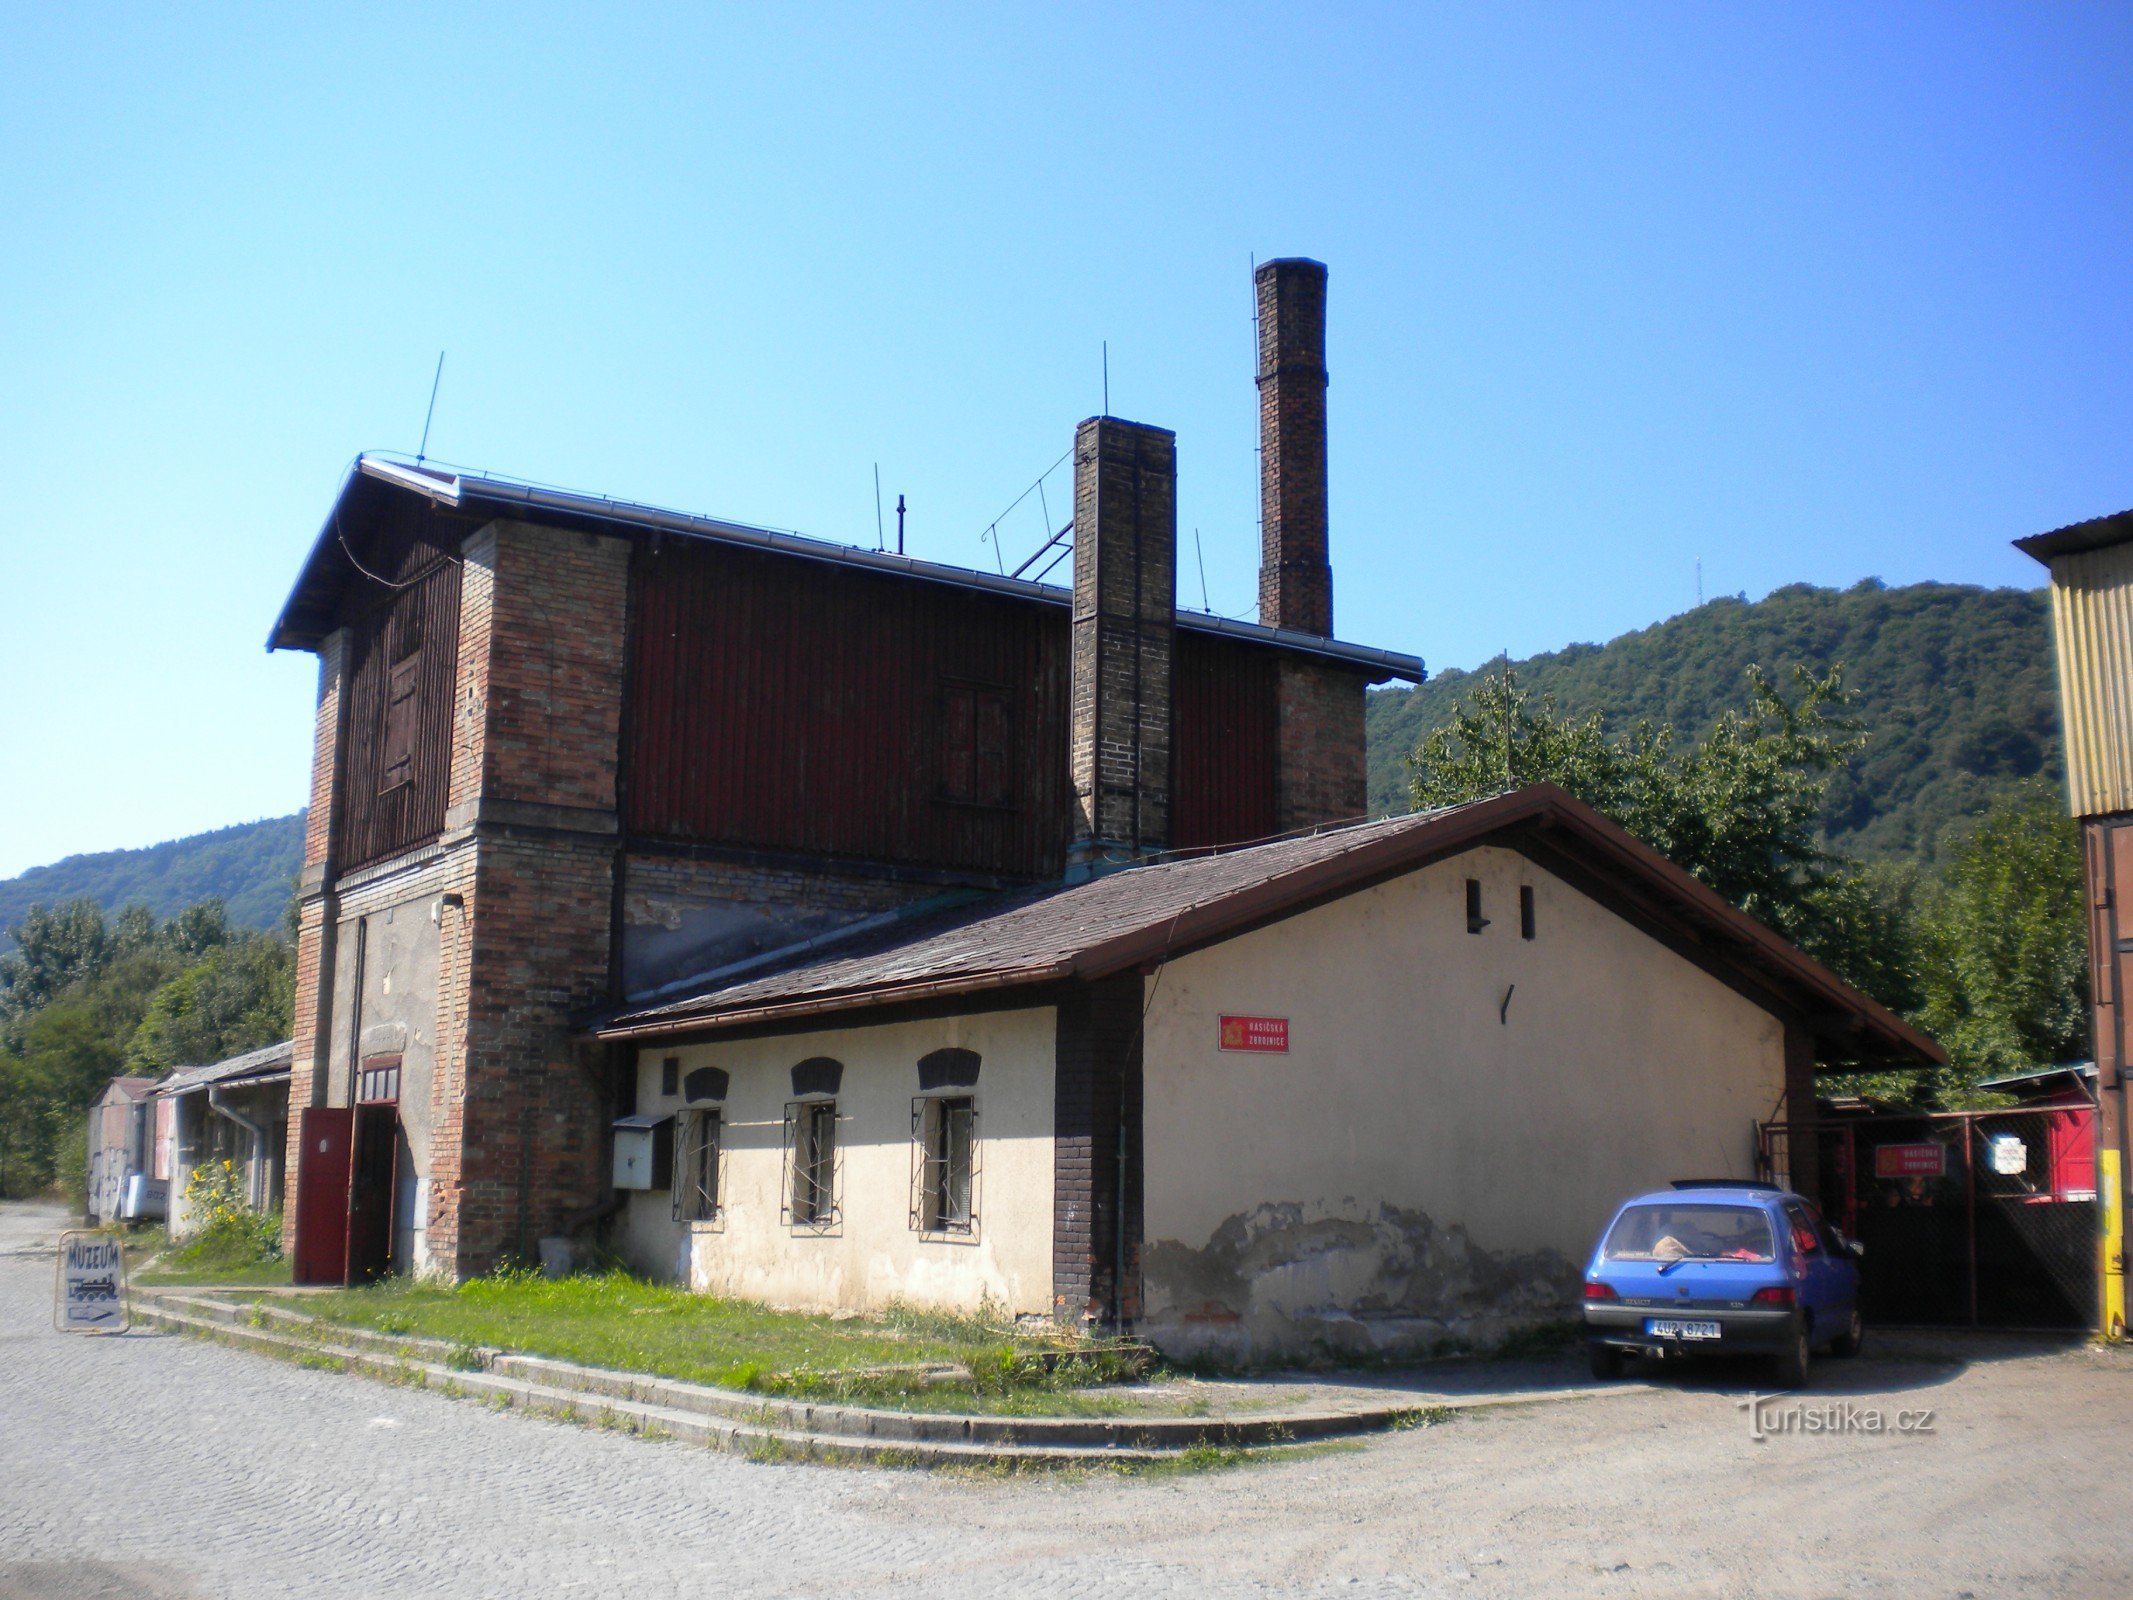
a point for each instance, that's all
(623, 1323)
(170, 1271)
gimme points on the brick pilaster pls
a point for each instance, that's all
(314, 928)
(1097, 1094)
(518, 1123)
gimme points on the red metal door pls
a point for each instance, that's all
(370, 1192)
(324, 1145)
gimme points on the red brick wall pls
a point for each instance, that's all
(1295, 580)
(311, 935)
(1322, 773)
(518, 1125)
(1125, 588)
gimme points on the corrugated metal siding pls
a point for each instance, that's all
(792, 706)
(418, 617)
(2092, 625)
(1225, 742)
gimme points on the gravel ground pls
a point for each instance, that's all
(151, 1466)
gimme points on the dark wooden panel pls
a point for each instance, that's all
(1225, 742)
(789, 705)
(402, 661)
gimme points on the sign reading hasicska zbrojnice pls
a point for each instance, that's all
(92, 1283)
(1258, 1035)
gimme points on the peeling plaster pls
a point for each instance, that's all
(1278, 1282)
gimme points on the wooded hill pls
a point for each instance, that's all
(251, 868)
(1955, 687)
(1954, 683)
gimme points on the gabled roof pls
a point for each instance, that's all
(1142, 916)
(310, 611)
(2094, 534)
(263, 1065)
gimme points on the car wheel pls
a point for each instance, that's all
(1854, 1335)
(1790, 1366)
(1606, 1361)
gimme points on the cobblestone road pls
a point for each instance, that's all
(151, 1466)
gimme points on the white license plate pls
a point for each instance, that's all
(1675, 1328)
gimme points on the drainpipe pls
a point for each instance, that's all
(259, 1142)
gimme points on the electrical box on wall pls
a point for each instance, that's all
(644, 1152)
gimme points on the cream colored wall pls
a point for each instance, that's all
(874, 1257)
(1423, 1160)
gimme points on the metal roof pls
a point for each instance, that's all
(298, 626)
(1145, 915)
(2094, 534)
(253, 1066)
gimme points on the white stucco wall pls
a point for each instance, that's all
(873, 1257)
(1426, 1163)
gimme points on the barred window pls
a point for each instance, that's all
(697, 1172)
(811, 1160)
(944, 1142)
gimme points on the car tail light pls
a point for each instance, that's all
(1778, 1294)
(1595, 1290)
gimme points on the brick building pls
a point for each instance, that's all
(574, 755)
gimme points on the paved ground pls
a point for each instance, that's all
(151, 1466)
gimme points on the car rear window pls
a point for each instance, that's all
(1690, 1232)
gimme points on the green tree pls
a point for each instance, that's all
(83, 999)
(1739, 808)
(2004, 945)
(239, 996)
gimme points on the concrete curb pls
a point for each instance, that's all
(762, 1426)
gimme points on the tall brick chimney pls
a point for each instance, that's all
(1125, 599)
(1295, 581)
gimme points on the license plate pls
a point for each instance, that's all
(1675, 1328)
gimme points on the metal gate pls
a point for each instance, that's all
(1983, 1218)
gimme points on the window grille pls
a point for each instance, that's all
(699, 1171)
(944, 1164)
(813, 1164)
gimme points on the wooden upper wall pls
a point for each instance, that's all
(799, 707)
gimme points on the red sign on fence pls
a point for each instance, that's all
(1910, 1160)
(1266, 1035)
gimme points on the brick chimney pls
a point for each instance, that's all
(1125, 597)
(1295, 581)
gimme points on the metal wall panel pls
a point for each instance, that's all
(2092, 627)
(794, 706)
(1225, 742)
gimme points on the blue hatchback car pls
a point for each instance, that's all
(1718, 1266)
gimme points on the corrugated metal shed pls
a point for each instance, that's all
(2092, 629)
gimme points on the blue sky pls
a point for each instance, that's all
(1811, 292)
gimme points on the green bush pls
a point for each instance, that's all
(228, 1232)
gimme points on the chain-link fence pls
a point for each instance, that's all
(1985, 1218)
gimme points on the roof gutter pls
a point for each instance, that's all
(463, 491)
(822, 1004)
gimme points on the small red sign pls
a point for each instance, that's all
(1910, 1160)
(1267, 1035)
